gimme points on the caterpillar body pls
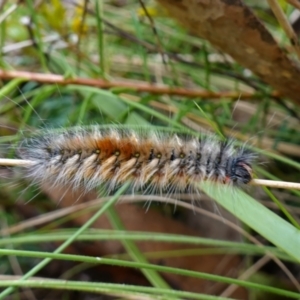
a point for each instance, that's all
(86, 158)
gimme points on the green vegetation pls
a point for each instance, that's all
(117, 44)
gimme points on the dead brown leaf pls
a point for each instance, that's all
(232, 27)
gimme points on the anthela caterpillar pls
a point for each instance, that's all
(85, 158)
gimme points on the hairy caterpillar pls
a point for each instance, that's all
(86, 158)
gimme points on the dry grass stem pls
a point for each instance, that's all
(276, 184)
(294, 3)
(15, 162)
(284, 23)
(258, 182)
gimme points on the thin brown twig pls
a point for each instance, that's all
(134, 86)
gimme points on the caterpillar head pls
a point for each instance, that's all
(241, 171)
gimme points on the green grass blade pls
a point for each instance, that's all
(139, 265)
(100, 287)
(134, 252)
(69, 241)
(10, 87)
(276, 230)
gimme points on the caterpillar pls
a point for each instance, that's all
(161, 161)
